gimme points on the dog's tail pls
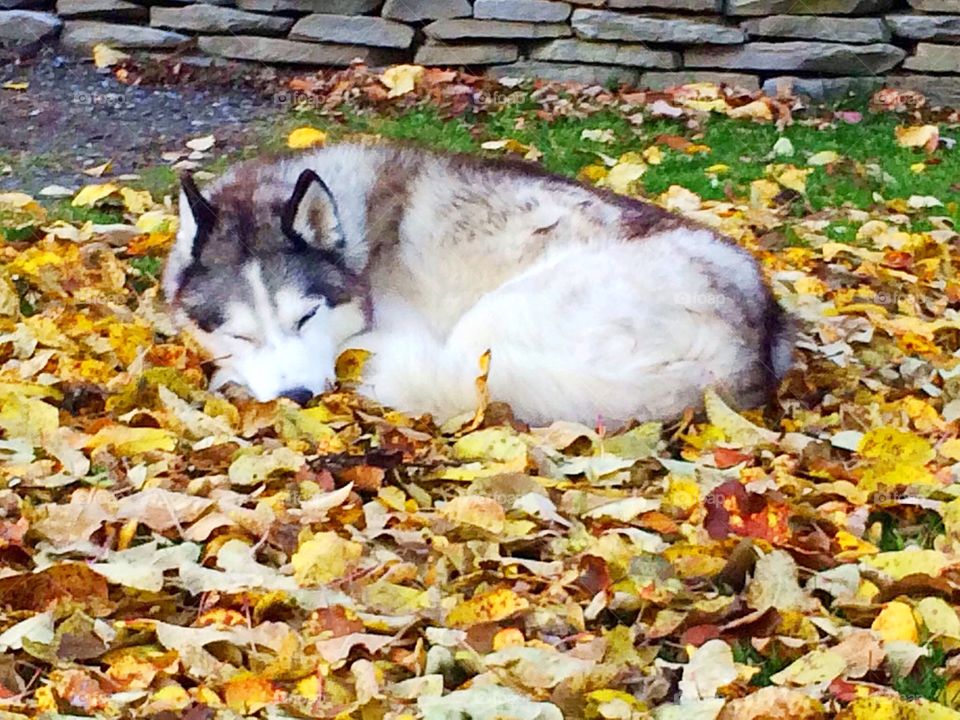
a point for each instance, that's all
(780, 336)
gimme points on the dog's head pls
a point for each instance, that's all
(255, 276)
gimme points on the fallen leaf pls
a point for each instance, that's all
(305, 137)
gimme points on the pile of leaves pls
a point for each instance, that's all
(167, 551)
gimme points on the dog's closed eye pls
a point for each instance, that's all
(306, 318)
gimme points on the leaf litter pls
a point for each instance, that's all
(169, 550)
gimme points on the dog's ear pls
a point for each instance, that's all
(310, 217)
(197, 216)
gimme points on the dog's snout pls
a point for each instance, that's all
(300, 395)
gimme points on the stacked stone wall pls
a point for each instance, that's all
(823, 48)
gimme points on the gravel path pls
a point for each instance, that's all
(73, 116)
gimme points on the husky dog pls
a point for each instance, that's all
(593, 305)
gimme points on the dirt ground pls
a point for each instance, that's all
(73, 116)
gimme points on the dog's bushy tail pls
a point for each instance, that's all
(779, 342)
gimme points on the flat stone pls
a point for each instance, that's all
(470, 28)
(353, 30)
(831, 29)
(605, 53)
(824, 89)
(558, 72)
(278, 50)
(203, 18)
(807, 7)
(23, 4)
(81, 35)
(606, 25)
(925, 27)
(829, 58)
(456, 55)
(940, 90)
(105, 9)
(931, 57)
(21, 27)
(414, 10)
(707, 6)
(333, 7)
(522, 10)
(942, 6)
(663, 80)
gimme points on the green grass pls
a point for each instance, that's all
(926, 680)
(148, 270)
(745, 654)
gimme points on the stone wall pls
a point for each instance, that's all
(823, 47)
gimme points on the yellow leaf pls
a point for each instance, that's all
(790, 177)
(939, 617)
(819, 666)
(928, 710)
(896, 622)
(324, 558)
(491, 606)
(824, 157)
(15, 200)
(918, 167)
(136, 201)
(895, 457)
(349, 365)
(501, 449)
(852, 547)
(950, 449)
(105, 56)
(682, 493)
(756, 110)
(529, 152)
(133, 440)
(90, 195)
(28, 418)
(46, 699)
(762, 193)
(623, 176)
(678, 198)
(157, 221)
(900, 563)
(482, 512)
(735, 428)
(401, 79)
(718, 169)
(247, 693)
(653, 155)
(918, 136)
(876, 707)
(99, 170)
(592, 173)
(11, 85)
(305, 137)
(251, 469)
(170, 698)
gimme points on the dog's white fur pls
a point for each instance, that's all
(582, 321)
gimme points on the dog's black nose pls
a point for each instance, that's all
(300, 395)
